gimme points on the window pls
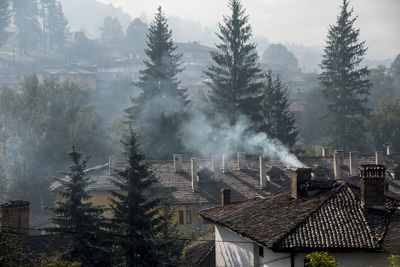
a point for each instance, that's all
(261, 251)
(188, 217)
(181, 221)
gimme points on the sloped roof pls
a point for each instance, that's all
(332, 219)
(201, 252)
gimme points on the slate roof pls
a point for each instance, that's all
(201, 252)
(332, 219)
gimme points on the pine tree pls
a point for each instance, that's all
(76, 217)
(28, 28)
(136, 39)
(5, 17)
(134, 221)
(346, 86)
(156, 113)
(235, 76)
(56, 25)
(278, 121)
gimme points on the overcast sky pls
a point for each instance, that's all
(294, 21)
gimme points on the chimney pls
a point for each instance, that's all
(341, 156)
(336, 165)
(225, 163)
(353, 163)
(15, 214)
(241, 160)
(378, 157)
(325, 151)
(216, 166)
(263, 174)
(373, 185)
(193, 170)
(389, 150)
(112, 165)
(225, 196)
(177, 162)
(300, 176)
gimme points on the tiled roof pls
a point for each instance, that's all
(201, 252)
(332, 219)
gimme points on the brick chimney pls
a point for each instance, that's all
(299, 177)
(216, 166)
(241, 160)
(224, 163)
(15, 214)
(225, 196)
(378, 157)
(325, 151)
(389, 150)
(263, 173)
(112, 165)
(336, 165)
(353, 158)
(177, 162)
(193, 170)
(373, 185)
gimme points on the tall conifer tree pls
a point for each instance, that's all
(5, 17)
(235, 75)
(346, 86)
(133, 226)
(156, 113)
(76, 217)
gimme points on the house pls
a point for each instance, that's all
(194, 52)
(86, 78)
(358, 226)
(195, 184)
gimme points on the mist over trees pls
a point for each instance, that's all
(278, 55)
(5, 19)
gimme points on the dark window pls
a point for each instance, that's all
(181, 221)
(188, 217)
(261, 251)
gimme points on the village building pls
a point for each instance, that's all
(84, 77)
(358, 226)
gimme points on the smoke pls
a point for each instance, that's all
(209, 134)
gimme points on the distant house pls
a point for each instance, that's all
(194, 52)
(359, 226)
(83, 77)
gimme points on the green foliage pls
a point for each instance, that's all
(9, 252)
(235, 76)
(111, 31)
(384, 125)
(57, 261)
(26, 20)
(321, 259)
(345, 85)
(382, 86)
(277, 119)
(5, 18)
(278, 55)
(395, 73)
(394, 260)
(156, 112)
(133, 226)
(136, 39)
(76, 218)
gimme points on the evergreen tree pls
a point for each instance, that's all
(278, 121)
(5, 17)
(28, 28)
(55, 25)
(136, 39)
(77, 218)
(111, 32)
(134, 222)
(346, 87)
(235, 75)
(156, 112)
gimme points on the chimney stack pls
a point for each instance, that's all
(373, 185)
(241, 160)
(193, 170)
(263, 174)
(15, 214)
(353, 163)
(378, 157)
(112, 165)
(226, 196)
(224, 163)
(325, 152)
(216, 166)
(389, 150)
(337, 165)
(177, 162)
(300, 176)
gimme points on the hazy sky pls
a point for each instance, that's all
(295, 21)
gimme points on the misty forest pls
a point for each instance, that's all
(118, 136)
